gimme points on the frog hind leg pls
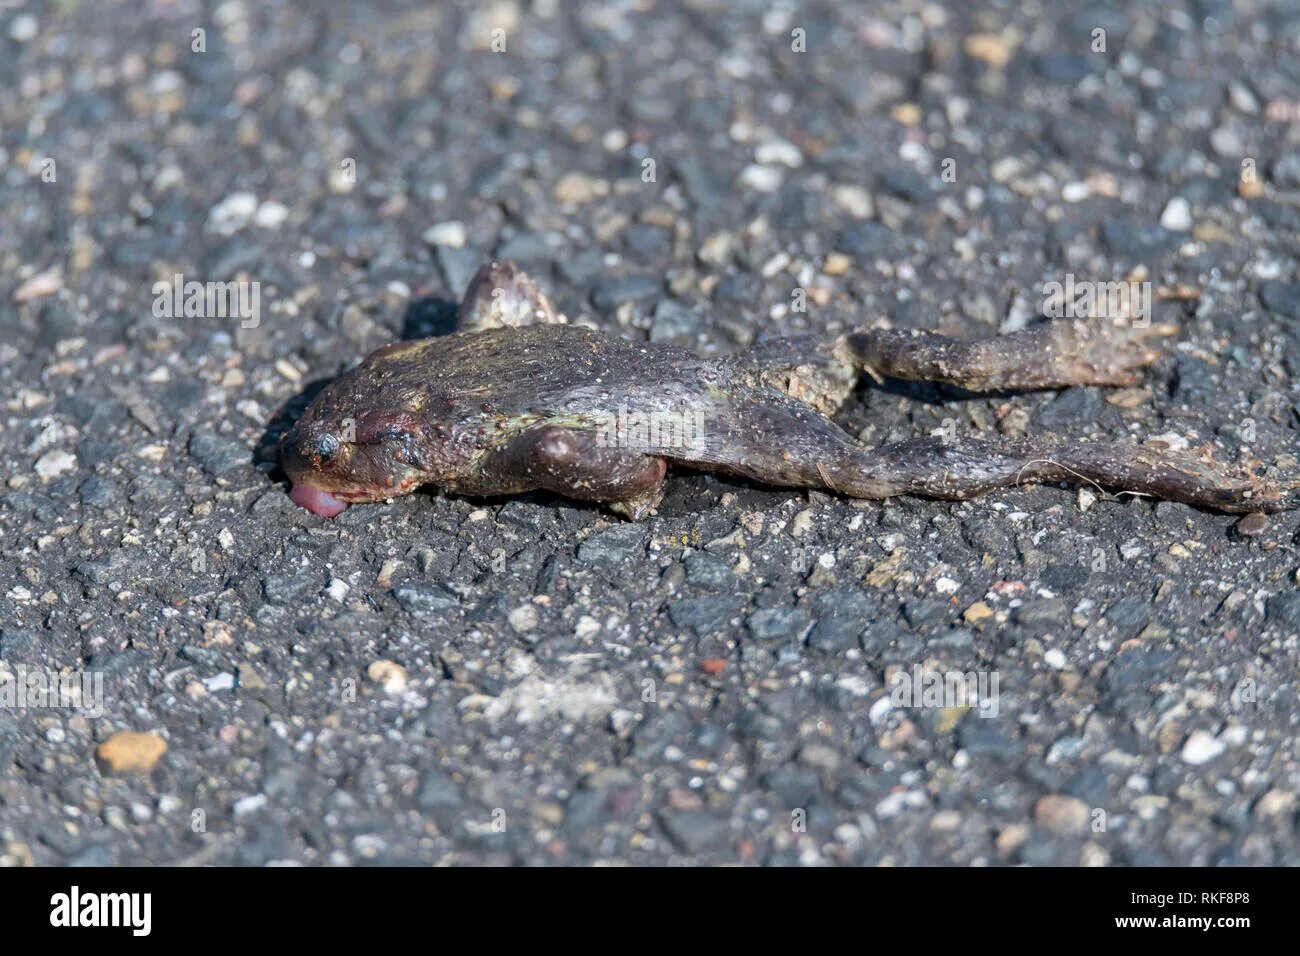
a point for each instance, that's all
(824, 374)
(958, 469)
(503, 295)
(573, 463)
(779, 441)
(1051, 355)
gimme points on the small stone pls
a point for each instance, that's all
(992, 48)
(1055, 659)
(672, 320)
(909, 114)
(232, 214)
(23, 28)
(1177, 216)
(779, 151)
(837, 264)
(717, 248)
(1062, 815)
(1249, 185)
(452, 234)
(291, 586)
(40, 285)
(1252, 525)
(425, 602)
(389, 675)
(867, 240)
(1201, 747)
(763, 179)
(1128, 397)
(1242, 98)
(1075, 192)
(695, 831)
(1275, 803)
(613, 546)
(129, 751)
(271, 215)
(855, 200)
(217, 454)
(979, 611)
(222, 681)
(777, 623)
(458, 267)
(611, 292)
(55, 463)
(1010, 839)
(1227, 142)
(578, 188)
(1087, 498)
(524, 618)
(1281, 297)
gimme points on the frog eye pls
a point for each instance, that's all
(327, 446)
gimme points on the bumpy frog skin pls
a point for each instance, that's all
(515, 400)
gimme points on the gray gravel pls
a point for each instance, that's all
(450, 680)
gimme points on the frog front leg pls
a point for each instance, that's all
(570, 462)
(503, 295)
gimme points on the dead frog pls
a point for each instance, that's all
(516, 400)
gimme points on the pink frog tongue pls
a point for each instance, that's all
(316, 501)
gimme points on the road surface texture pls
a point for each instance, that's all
(442, 680)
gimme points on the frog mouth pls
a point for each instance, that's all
(316, 500)
(327, 504)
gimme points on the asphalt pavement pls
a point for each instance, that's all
(1095, 680)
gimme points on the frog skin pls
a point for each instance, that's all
(516, 400)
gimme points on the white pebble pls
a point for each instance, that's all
(54, 463)
(523, 618)
(232, 214)
(763, 179)
(1201, 747)
(453, 234)
(247, 805)
(779, 151)
(854, 200)
(223, 681)
(1177, 216)
(23, 28)
(1055, 659)
(1075, 192)
(269, 215)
